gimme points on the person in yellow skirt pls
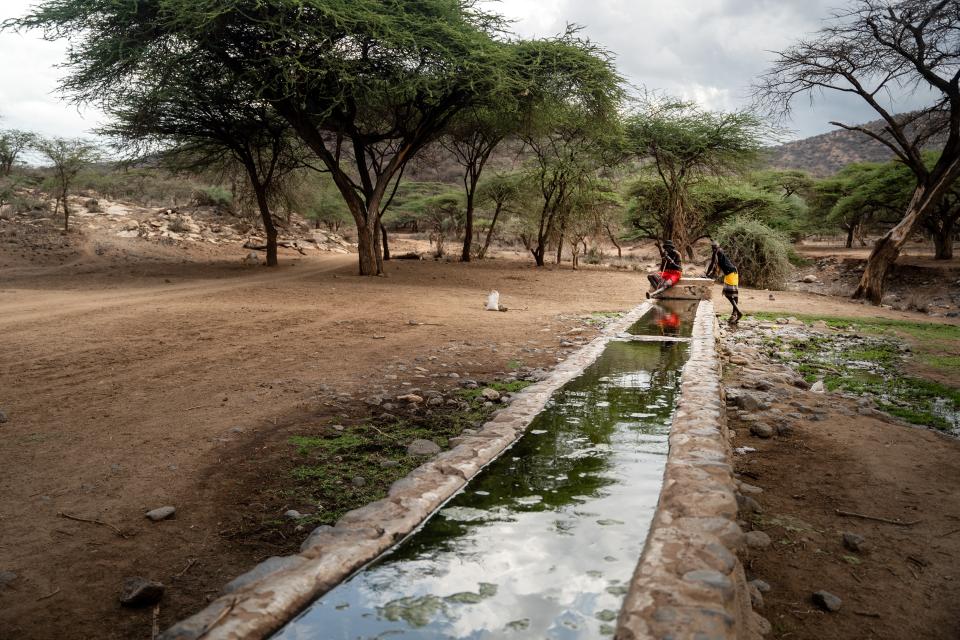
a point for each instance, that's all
(731, 278)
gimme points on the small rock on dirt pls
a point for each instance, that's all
(784, 429)
(747, 402)
(161, 513)
(827, 601)
(761, 585)
(389, 464)
(818, 387)
(293, 514)
(756, 598)
(757, 540)
(810, 279)
(422, 447)
(410, 398)
(6, 577)
(358, 481)
(140, 592)
(761, 430)
(3, 417)
(490, 394)
(855, 542)
(746, 504)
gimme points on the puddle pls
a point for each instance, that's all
(542, 542)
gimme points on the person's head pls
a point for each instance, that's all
(714, 245)
(668, 244)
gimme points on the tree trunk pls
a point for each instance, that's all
(66, 212)
(468, 229)
(887, 249)
(268, 226)
(943, 241)
(386, 244)
(850, 230)
(613, 239)
(493, 223)
(560, 248)
(538, 253)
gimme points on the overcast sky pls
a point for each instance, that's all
(707, 50)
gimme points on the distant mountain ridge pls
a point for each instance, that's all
(825, 154)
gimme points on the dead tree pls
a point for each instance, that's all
(876, 49)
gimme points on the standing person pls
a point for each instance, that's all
(670, 270)
(731, 278)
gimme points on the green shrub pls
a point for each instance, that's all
(760, 253)
(213, 196)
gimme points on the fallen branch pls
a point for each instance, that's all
(948, 533)
(49, 595)
(223, 614)
(867, 614)
(841, 512)
(190, 563)
(284, 243)
(99, 522)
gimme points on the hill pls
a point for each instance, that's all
(827, 153)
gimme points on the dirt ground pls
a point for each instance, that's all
(134, 379)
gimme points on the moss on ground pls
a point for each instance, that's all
(870, 362)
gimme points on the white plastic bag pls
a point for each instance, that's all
(493, 301)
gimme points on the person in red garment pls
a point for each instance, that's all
(671, 270)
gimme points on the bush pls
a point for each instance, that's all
(213, 197)
(760, 253)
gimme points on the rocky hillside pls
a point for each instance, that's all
(827, 153)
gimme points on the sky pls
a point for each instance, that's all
(705, 50)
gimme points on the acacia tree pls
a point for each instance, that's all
(68, 156)
(197, 118)
(869, 50)
(12, 143)
(365, 84)
(507, 193)
(684, 144)
(471, 138)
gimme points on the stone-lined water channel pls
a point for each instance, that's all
(543, 541)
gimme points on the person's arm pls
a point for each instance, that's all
(713, 265)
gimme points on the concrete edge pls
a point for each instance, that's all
(259, 602)
(689, 582)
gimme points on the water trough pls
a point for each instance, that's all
(543, 541)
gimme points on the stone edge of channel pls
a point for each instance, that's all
(689, 582)
(268, 596)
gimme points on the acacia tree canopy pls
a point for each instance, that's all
(684, 144)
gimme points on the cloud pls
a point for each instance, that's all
(705, 50)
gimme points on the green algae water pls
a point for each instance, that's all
(668, 318)
(541, 543)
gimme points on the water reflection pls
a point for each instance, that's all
(667, 318)
(543, 542)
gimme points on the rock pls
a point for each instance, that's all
(422, 447)
(747, 402)
(757, 539)
(756, 598)
(454, 376)
(784, 428)
(749, 489)
(761, 430)
(250, 260)
(161, 513)
(293, 514)
(855, 542)
(818, 387)
(267, 567)
(747, 505)
(3, 417)
(490, 394)
(435, 401)
(6, 577)
(389, 464)
(761, 586)
(140, 592)
(410, 398)
(358, 481)
(826, 601)
(800, 383)
(810, 279)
